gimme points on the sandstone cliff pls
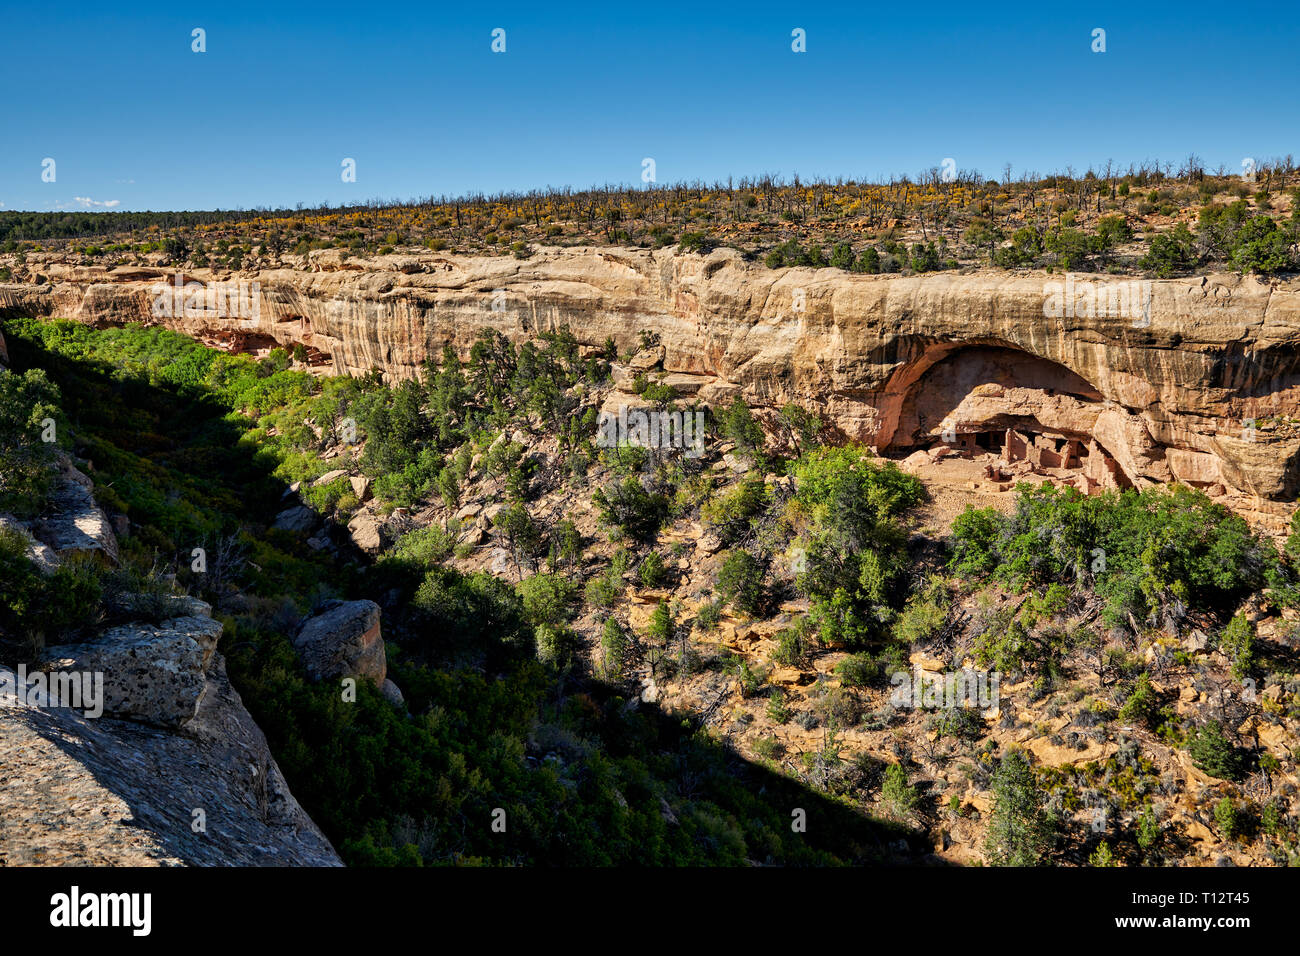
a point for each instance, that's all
(1198, 383)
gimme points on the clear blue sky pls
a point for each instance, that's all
(584, 92)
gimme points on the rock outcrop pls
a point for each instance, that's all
(132, 747)
(1189, 379)
(344, 641)
(154, 674)
(38, 552)
(73, 522)
(105, 792)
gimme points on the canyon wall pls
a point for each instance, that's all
(1190, 379)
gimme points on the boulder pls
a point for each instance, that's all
(328, 477)
(737, 464)
(709, 542)
(153, 674)
(646, 359)
(392, 693)
(360, 487)
(298, 519)
(927, 662)
(501, 562)
(344, 641)
(365, 530)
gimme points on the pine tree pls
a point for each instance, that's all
(1020, 832)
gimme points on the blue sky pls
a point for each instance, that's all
(135, 119)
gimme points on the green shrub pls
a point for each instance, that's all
(924, 615)
(1102, 856)
(29, 413)
(1148, 829)
(1225, 818)
(607, 587)
(733, 514)
(842, 256)
(859, 670)
(425, 546)
(1213, 753)
(614, 646)
(777, 709)
(1237, 641)
(652, 572)
(1170, 253)
(1141, 551)
(1073, 249)
(856, 560)
(868, 262)
(1142, 706)
(960, 723)
(696, 242)
(740, 581)
(791, 646)
(547, 598)
(38, 609)
(628, 509)
(737, 424)
(556, 644)
(899, 798)
(707, 617)
(975, 534)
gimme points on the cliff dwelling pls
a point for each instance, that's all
(999, 415)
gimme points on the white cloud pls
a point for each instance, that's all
(87, 203)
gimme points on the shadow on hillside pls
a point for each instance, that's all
(189, 434)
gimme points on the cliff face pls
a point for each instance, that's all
(1188, 379)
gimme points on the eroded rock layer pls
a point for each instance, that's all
(1190, 379)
